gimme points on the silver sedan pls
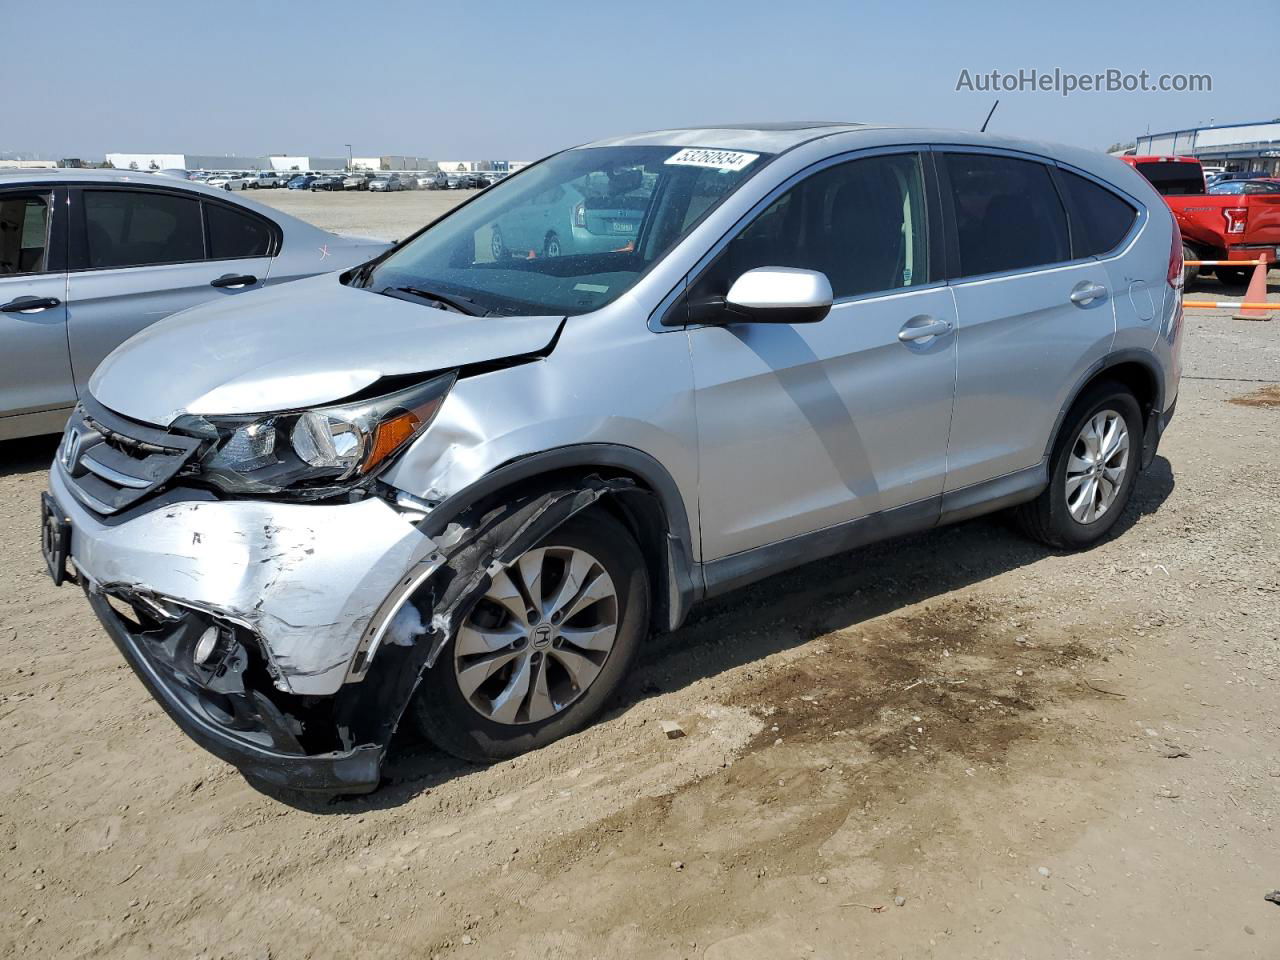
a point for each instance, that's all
(132, 249)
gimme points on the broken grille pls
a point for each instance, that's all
(112, 462)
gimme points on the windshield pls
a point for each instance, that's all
(570, 234)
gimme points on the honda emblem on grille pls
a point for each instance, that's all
(71, 447)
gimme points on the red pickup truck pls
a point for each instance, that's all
(1242, 226)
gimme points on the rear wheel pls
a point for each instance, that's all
(1092, 470)
(545, 647)
(496, 246)
(1189, 273)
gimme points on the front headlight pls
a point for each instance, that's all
(318, 452)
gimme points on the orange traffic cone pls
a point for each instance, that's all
(1257, 293)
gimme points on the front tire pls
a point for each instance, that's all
(1092, 470)
(539, 655)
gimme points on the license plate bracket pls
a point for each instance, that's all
(55, 539)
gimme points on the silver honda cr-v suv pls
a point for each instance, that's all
(462, 482)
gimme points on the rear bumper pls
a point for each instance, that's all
(1254, 251)
(235, 723)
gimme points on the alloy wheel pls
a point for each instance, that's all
(1096, 466)
(539, 637)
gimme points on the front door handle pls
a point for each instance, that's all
(922, 328)
(1083, 294)
(30, 304)
(234, 280)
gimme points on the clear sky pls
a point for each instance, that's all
(516, 80)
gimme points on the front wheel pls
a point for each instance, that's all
(542, 651)
(1092, 470)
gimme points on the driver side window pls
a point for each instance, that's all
(862, 223)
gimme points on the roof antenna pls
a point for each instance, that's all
(988, 120)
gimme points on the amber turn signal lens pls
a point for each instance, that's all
(391, 434)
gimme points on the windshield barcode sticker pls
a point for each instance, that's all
(716, 159)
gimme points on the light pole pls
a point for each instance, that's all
(348, 146)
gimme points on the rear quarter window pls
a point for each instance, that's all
(1099, 218)
(234, 234)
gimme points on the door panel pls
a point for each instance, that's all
(1023, 345)
(106, 307)
(801, 427)
(35, 371)
(804, 426)
(1031, 319)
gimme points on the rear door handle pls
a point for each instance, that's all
(921, 328)
(30, 304)
(235, 280)
(1085, 293)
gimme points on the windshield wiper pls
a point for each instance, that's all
(440, 300)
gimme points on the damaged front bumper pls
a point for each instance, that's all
(296, 594)
(225, 714)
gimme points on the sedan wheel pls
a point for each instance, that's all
(496, 246)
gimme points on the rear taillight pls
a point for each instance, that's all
(580, 215)
(1175, 260)
(1236, 218)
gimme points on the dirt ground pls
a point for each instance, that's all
(953, 745)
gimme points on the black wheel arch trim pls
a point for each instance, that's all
(683, 581)
(1151, 428)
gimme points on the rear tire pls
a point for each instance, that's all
(462, 721)
(1233, 276)
(1060, 517)
(1189, 273)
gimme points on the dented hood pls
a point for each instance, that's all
(296, 345)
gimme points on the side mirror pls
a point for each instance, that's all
(769, 295)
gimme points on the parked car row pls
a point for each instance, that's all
(334, 180)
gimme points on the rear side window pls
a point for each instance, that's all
(24, 232)
(127, 228)
(1008, 215)
(1099, 219)
(862, 223)
(1173, 179)
(234, 234)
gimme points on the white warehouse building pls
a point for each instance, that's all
(1235, 146)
